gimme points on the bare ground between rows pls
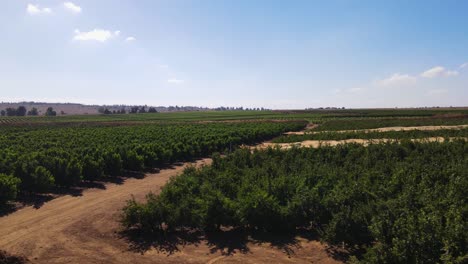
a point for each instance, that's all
(365, 142)
(85, 229)
(382, 129)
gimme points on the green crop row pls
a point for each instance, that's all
(35, 159)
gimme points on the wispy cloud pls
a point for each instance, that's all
(36, 10)
(437, 72)
(99, 35)
(130, 39)
(72, 7)
(396, 79)
(163, 66)
(464, 65)
(175, 81)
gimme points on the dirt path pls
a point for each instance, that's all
(85, 229)
(383, 129)
(318, 143)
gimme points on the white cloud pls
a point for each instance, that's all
(434, 72)
(175, 81)
(397, 79)
(72, 7)
(464, 65)
(437, 72)
(163, 66)
(437, 92)
(100, 35)
(36, 10)
(129, 39)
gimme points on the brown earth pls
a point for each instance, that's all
(382, 129)
(365, 142)
(85, 229)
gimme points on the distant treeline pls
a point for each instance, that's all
(145, 109)
(22, 111)
(133, 110)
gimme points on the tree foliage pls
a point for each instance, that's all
(50, 112)
(20, 111)
(33, 112)
(8, 188)
(399, 203)
(43, 157)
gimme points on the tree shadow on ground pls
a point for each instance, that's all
(173, 165)
(36, 200)
(167, 243)
(338, 253)
(226, 241)
(92, 185)
(287, 242)
(6, 209)
(134, 174)
(6, 258)
(343, 253)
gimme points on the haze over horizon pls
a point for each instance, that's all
(270, 54)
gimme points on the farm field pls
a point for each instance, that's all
(75, 188)
(311, 116)
(85, 229)
(212, 132)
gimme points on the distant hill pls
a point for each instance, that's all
(82, 109)
(69, 109)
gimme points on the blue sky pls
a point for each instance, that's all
(276, 54)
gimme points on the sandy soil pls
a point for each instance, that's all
(383, 129)
(85, 229)
(318, 143)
